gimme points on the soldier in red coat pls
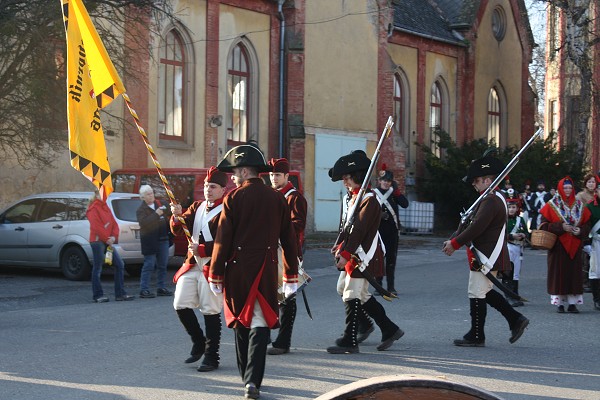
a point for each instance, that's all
(298, 209)
(360, 248)
(255, 218)
(192, 289)
(487, 233)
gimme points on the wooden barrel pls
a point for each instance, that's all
(407, 387)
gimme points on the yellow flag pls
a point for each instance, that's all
(92, 84)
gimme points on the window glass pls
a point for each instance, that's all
(53, 210)
(435, 117)
(238, 76)
(124, 183)
(126, 209)
(494, 113)
(21, 213)
(170, 87)
(181, 185)
(78, 208)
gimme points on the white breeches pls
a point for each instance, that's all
(514, 252)
(353, 288)
(479, 285)
(192, 291)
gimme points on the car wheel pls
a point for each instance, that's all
(134, 270)
(75, 264)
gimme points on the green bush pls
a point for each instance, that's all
(443, 185)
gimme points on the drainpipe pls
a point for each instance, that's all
(281, 71)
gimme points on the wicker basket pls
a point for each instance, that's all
(542, 239)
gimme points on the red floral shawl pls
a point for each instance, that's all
(566, 209)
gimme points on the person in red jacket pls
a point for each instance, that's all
(104, 232)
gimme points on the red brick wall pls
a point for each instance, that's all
(135, 154)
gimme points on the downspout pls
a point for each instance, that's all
(281, 70)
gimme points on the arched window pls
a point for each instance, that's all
(436, 109)
(494, 117)
(171, 88)
(238, 97)
(402, 110)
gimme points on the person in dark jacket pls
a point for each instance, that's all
(244, 264)
(104, 232)
(153, 218)
(487, 233)
(359, 249)
(391, 199)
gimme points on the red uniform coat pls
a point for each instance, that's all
(254, 219)
(366, 225)
(205, 248)
(298, 211)
(489, 218)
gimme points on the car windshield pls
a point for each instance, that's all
(125, 209)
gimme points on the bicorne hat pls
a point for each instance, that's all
(353, 162)
(245, 155)
(385, 174)
(482, 167)
(216, 176)
(279, 165)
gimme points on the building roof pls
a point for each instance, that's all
(433, 18)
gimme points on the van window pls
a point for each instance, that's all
(126, 209)
(21, 213)
(124, 183)
(181, 185)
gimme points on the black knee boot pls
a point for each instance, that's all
(390, 332)
(365, 325)
(211, 359)
(281, 345)
(595, 285)
(348, 343)
(516, 321)
(476, 335)
(514, 287)
(188, 319)
(390, 275)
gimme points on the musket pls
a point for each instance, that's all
(346, 227)
(466, 216)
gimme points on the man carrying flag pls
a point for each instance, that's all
(92, 84)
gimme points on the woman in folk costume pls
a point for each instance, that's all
(569, 219)
(594, 274)
(192, 290)
(517, 234)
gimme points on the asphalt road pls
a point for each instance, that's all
(55, 343)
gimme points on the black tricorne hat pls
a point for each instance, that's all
(482, 167)
(244, 155)
(355, 161)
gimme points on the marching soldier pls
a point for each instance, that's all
(255, 218)
(360, 247)
(487, 232)
(192, 289)
(298, 209)
(391, 199)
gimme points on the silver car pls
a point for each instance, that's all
(50, 230)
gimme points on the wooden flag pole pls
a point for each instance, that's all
(161, 174)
